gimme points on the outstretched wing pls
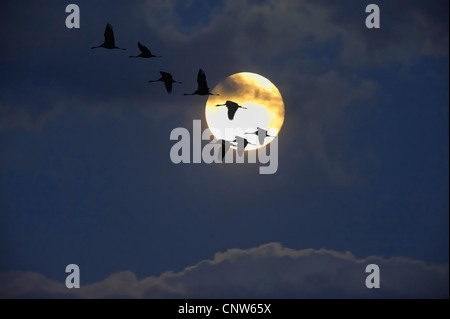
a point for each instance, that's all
(167, 79)
(231, 112)
(232, 108)
(201, 81)
(225, 146)
(144, 49)
(240, 145)
(109, 36)
(262, 134)
(168, 86)
(261, 139)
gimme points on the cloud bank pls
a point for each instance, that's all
(267, 271)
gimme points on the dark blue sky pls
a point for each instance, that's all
(85, 173)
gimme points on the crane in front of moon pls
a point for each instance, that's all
(202, 85)
(167, 79)
(232, 108)
(145, 52)
(261, 133)
(109, 39)
(225, 146)
(241, 144)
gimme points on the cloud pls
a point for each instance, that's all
(31, 285)
(266, 271)
(270, 29)
(279, 39)
(409, 30)
(13, 117)
(312, 51)
(323, 104)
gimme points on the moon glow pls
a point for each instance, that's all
(264, 108)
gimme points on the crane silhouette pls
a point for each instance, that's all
(261, 133)
(225, 146)
(202, 88)
(241, 144)
(167, 79)
(109, 39)
(232, 108)
(145, 52)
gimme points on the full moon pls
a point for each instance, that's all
(262, 104)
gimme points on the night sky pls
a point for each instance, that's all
(363, 162)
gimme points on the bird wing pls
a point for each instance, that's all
(240, 149)
(109, 35)
(232, 108)
(144, 49)
(231, 112)
(261, 139)
(225, 146)
(168, 86)
(201, 80)
(262, 134)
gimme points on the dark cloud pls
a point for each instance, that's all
(267, 271)
(277, 39)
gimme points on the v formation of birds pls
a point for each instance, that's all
(167, 79)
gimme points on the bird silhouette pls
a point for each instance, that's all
(203, 88)
(109, 39)
(145, 52)
(167, 79)
(241, 144)
(261, 133)
(225, 146)
(232, 108)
